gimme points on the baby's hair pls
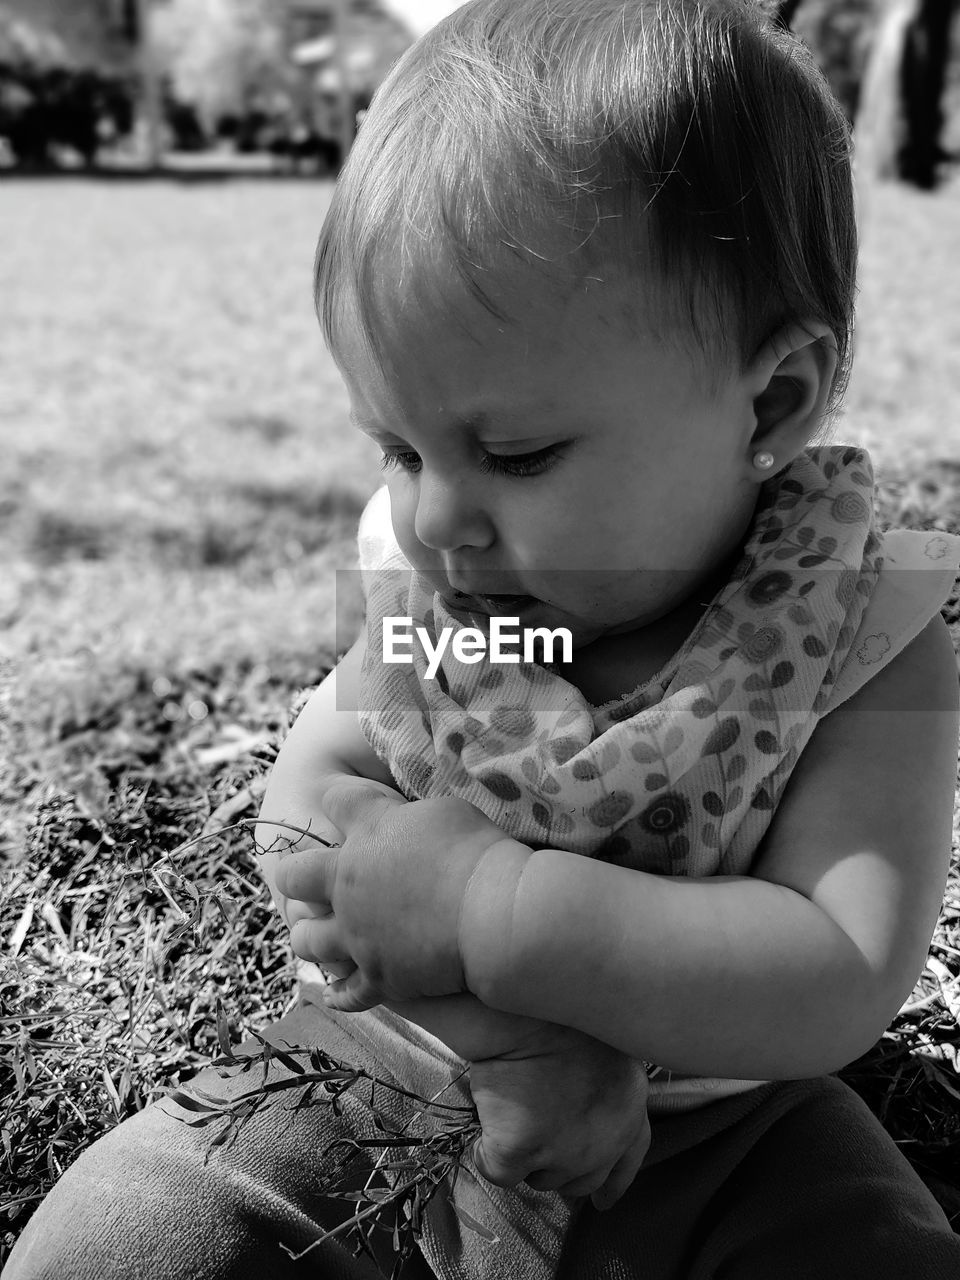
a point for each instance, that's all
(689, 145)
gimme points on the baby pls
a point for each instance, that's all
(589, 277)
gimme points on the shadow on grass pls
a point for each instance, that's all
(254, 525)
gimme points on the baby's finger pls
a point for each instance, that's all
(621, 1176)
(347, 802)
(295, 910)
(503, 1166)
(351, 995)
(318, 939)
(308, 875)
(587, 1184)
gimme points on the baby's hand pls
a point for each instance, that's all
(562, 1112)
(323, 835)
(388, 900)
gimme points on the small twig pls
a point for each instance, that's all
(351, 1224)
(246, 824)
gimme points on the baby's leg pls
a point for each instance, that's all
(798, 1181)
(152, 1201)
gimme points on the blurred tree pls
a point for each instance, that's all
(66, 33)
(67, 79)
(888, 63)
(840, 36)
(222, 56)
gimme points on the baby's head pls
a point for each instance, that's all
(663, 186)
(686, 146)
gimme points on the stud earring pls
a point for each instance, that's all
(763, 461)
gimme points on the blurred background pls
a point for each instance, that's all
(179, 486)
(253, 85)
(279, 85)
(177, 483)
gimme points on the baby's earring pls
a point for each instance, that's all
(763, 461)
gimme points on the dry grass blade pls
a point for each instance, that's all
(120, 961)
(390, 1198)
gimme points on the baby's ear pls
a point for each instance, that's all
(793, 374)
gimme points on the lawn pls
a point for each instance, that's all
(179, 485)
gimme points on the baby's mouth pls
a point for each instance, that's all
(496, 605)
(506, 603)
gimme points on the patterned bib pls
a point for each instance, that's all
(682, 775)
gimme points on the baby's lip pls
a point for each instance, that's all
(495, 603)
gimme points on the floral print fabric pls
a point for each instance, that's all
(682, 775)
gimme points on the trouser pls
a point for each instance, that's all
(792, 1181)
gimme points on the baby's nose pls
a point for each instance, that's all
(449, 516)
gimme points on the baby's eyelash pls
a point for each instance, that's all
(405, 459)
(504, 464)
(521, 464)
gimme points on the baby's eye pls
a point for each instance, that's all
(521, 464)
(405, 459)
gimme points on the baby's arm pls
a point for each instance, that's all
(793, 971)
(326, 741)
(558, 1109)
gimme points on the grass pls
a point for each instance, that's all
(178, 486)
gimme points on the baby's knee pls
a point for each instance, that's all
(155, 1200)
(140, 1204)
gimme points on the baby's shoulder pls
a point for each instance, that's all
(918, 574)
(921, 676)
(379, 557)
(376, 543)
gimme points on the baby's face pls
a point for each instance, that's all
(564, 458)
